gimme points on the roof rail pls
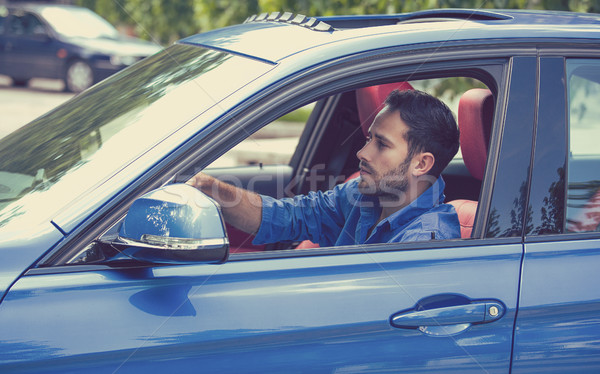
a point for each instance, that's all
(294, 19)
(424, 15)
(466, 14)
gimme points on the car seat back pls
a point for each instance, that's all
(475, 117)
(370, 100)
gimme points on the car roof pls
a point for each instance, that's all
(273, 37)
(36, 5)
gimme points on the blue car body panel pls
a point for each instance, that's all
(22, 250)
(558, 321)
(311, 314)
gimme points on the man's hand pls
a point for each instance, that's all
(201, 181)
(241, 208)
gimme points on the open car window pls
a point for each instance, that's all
(273, 144)
(314, 148)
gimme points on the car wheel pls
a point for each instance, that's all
(20, 82)
(78, 77)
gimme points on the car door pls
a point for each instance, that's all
(440, 306)
(29, 49)
(557, 324)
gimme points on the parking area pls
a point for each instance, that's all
(20, 105)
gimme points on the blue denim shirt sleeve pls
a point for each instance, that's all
(343, 216)
(317, 216)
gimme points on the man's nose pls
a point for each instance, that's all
(362, 153)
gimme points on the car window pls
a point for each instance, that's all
(62, 154)
(274, 144)
(583, 196)
(26, 24)
(314, 136)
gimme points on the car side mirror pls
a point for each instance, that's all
(175, 224)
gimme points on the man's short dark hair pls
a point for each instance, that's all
(431, 126)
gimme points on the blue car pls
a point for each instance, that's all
(63, 42)
(109, 262)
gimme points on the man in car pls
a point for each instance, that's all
(398, 196)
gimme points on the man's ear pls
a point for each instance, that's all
(423, 162)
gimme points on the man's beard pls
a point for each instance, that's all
(391, 186)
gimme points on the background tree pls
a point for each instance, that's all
(165, 21)
(162, 21)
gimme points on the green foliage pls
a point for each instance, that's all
(165, 21)
(162, 21)
(298, 115)
(220, 13)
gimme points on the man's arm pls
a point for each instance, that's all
(241, 208)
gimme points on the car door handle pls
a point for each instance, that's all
(476, 312)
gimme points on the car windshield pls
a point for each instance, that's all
(59, 156)
(79, 22)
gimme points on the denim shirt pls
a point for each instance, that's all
(343, 216)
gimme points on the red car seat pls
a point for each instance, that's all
(370, 101)
(475, 116)
(588, 218)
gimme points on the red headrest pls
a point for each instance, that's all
(369, 101)
(475, 115)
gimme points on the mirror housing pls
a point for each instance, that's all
(175, 224)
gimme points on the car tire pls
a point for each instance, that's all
(20, 82)
(78, 76)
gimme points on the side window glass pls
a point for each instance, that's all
(16, 25)
(33, 26)
(335, 121)
(26, 25)
(583, 196)
(274, 144)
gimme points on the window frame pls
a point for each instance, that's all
(300, 89)
(576, 50)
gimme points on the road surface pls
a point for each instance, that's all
(20, 105)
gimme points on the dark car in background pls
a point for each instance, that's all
(64, 42)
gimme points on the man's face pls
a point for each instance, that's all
(383, 160)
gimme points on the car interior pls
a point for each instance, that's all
(337, 128)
